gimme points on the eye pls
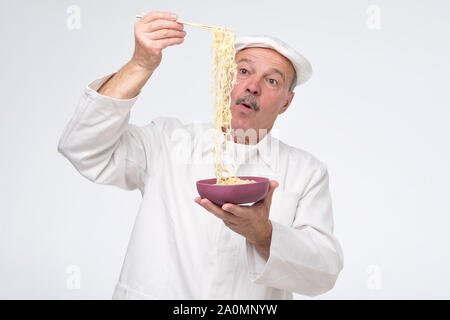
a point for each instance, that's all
(243, 71)
(273, 81)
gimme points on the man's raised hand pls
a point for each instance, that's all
(154, 32)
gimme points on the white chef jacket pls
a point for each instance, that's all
(178, 250)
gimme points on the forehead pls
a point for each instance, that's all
(266, 57)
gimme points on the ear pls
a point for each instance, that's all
(288, 102)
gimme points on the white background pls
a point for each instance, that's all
(376, 111)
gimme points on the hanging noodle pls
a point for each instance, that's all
(224, 77)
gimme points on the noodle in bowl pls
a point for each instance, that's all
(235, 193)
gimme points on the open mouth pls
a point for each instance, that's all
(246, 105)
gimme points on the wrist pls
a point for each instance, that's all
(262, 245)
(138, 68)
(126, 83)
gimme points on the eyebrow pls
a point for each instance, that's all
(272, 70)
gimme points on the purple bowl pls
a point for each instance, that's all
(235, 193)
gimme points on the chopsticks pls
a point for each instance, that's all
(203, 26)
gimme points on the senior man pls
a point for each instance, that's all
(178, 250)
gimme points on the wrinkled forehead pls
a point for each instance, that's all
(266, 56)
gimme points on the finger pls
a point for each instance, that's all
(162, 24)
(217, 211)
(239, 211)
(166, 33)
(154, 15)
(272, 186)
(164, 43)
(229, 224)
(211, 207)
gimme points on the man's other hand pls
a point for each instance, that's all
(252, 222)
(154, 32)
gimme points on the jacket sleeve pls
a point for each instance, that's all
(103, 146)
(305, 258)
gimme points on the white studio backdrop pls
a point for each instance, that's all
(376, 111)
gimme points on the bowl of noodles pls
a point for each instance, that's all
(247, 190)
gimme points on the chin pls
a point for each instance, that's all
(239, 124)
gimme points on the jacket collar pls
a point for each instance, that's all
(266, 149)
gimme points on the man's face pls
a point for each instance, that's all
(263, 80)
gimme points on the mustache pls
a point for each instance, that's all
(250, 100)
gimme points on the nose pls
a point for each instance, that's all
(253, 86)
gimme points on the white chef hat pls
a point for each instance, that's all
(301, 65)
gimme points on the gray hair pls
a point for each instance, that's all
(293, 83)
